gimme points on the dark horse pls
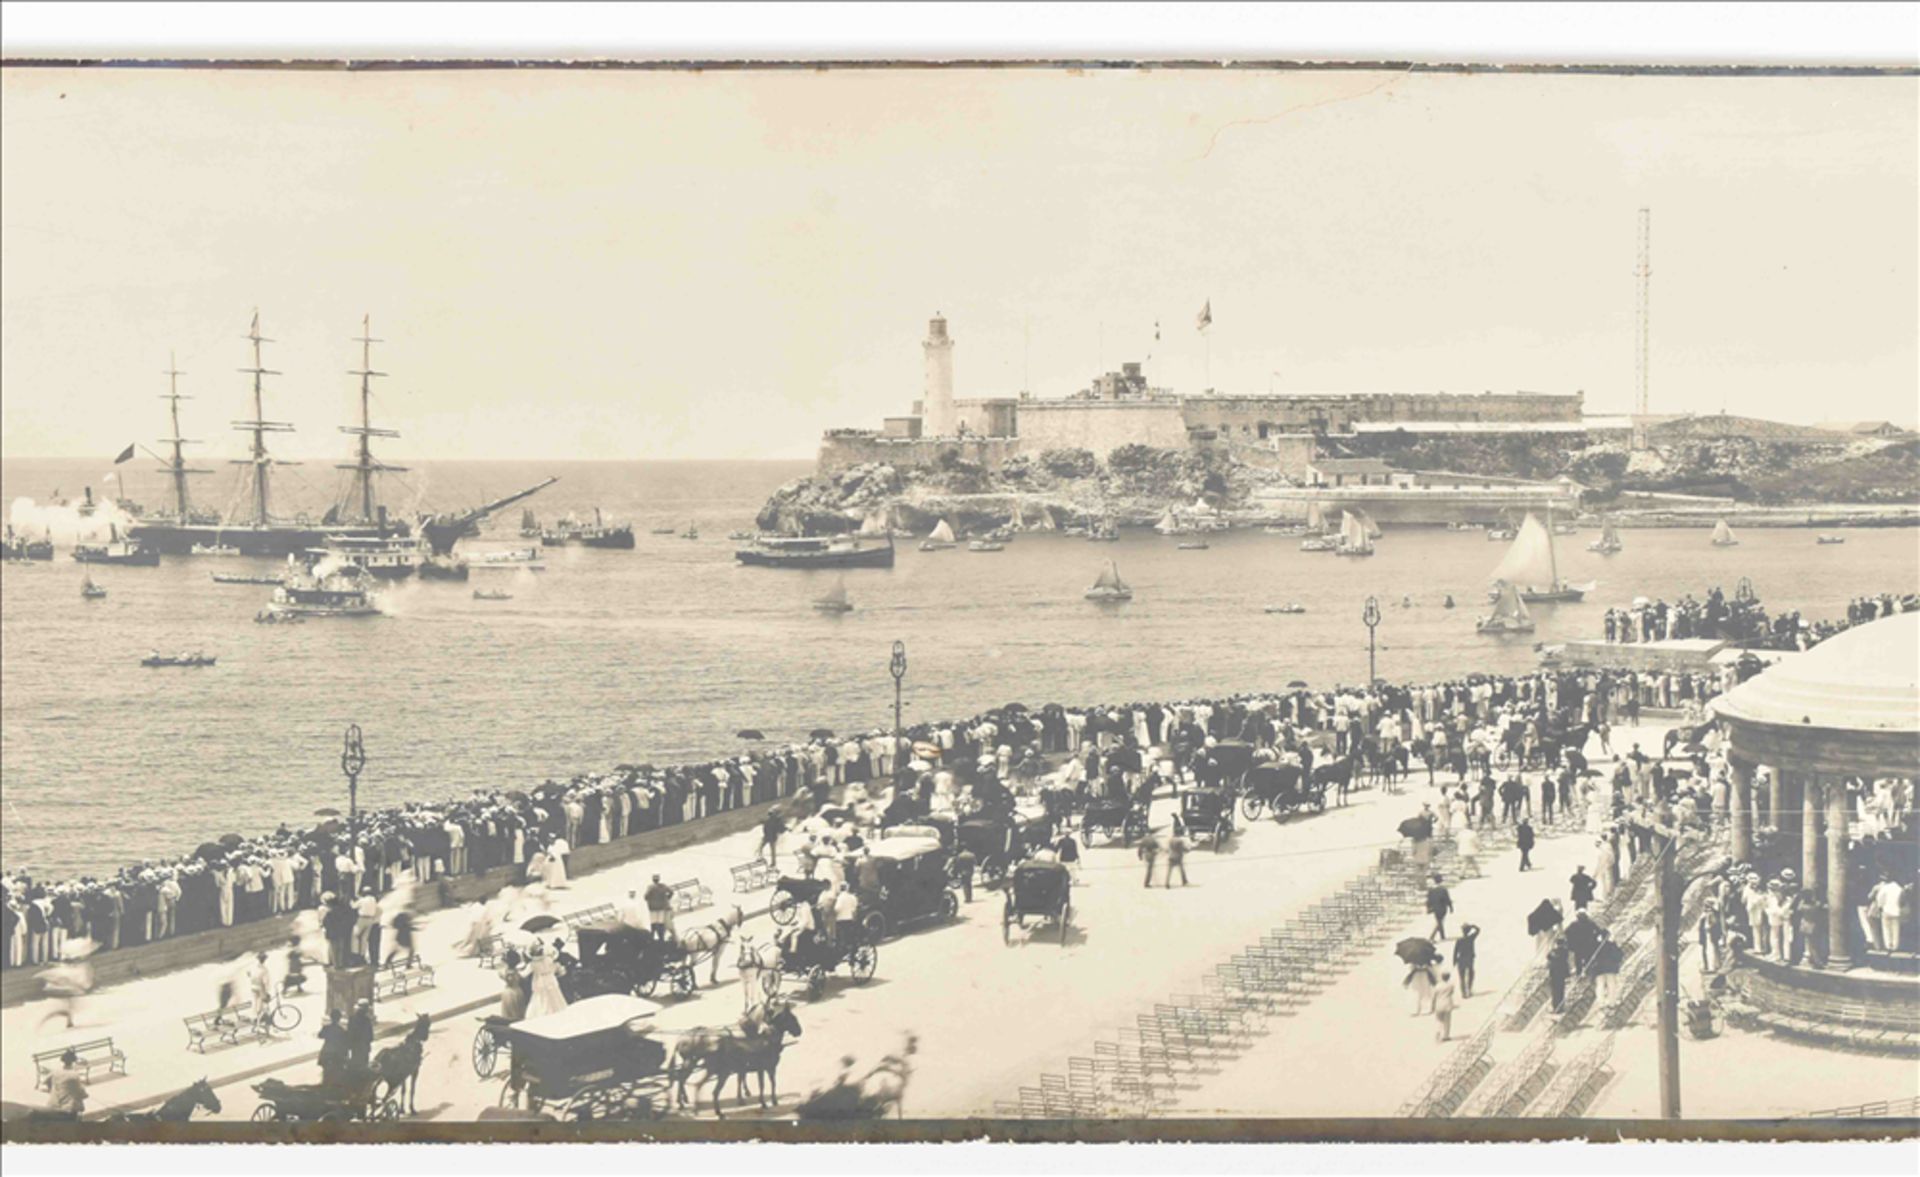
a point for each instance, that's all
(397, 1068)
(755, 1050)
(1335, 773)
(178, 1108)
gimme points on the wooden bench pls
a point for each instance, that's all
(225, 1024)
(402, 977)
(754, 876)
(689, 894)
(100, 1053)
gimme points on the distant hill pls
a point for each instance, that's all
(1752, 428)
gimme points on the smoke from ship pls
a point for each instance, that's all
(66, 525)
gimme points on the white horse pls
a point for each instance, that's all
(759, 966)
(712, 939)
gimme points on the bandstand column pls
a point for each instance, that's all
(1810, 786)
(1840, 915)
(1740, 810)
(1776, 794)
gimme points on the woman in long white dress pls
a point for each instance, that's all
(546, 997)
(556, 872)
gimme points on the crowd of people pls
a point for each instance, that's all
(1741, 619)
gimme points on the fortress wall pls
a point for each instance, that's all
(838, 451)
(1101, 426)
(1244, 416)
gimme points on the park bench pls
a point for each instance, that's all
(402, 977)
(599, 913)
(100, 1053)
(225, 1024)
(754, 876)
(689, 894)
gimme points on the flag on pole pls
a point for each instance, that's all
(126, 455)
(1206, 316)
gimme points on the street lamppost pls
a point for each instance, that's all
(353, 758)
(1670, 890)
(898, 668)
(1371, 615)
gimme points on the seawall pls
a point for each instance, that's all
(218, 944)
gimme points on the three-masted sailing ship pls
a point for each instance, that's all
(1532, 566)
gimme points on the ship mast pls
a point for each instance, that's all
(259, 426)
(1553, 558)
(365, 467)
(178, 466)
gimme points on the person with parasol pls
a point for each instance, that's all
(1421, 958)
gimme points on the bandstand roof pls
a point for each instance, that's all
(1864, 680)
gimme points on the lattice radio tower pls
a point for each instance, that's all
(1643, 315)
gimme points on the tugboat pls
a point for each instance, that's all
(835, 601)
(595, 535)
(1109, 587)
(91, 591)
(117, 551)
(345, 593)
(381, 557)
(832, 551)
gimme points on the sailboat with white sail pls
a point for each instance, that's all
(1723, 535)
(1532, 566)
(1170, 524)
(1509, 612)
(835, 600)
(1609, 541)
(939, 539)
(1109, 587)
(1354, 540)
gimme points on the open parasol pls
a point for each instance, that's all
(820, 733)
(540, 923)
(1416, 828)
(326, 811)
(750, 733)
(1416, 951)
(1298, 684)
(1014, 707)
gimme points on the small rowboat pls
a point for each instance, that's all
(491, 595)
(1290, 607)
(155, 661)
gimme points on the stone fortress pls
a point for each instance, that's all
(1285, 432)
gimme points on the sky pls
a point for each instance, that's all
(721, 264)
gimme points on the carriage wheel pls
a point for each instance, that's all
(388, 1110)
(510, 1095)
(592, 1098)
(683, 981)
(1091, 832)
(863, 961)
(1252, 806)
(1320, 801)
(1221, 833)
(486, 1052)
(285, 1017)
(816, 982)
(266, 1113)
(783, 909)
(770, 980)
(949, 906)
(645, 988)
(993, 871)
(1134, 829)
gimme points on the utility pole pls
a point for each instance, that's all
(1643, 315)
(1371, 616)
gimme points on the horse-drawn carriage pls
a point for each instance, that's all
(353, 1096)
(616, 958)
(1109, 817)
(1042, 890)
(811, 956)
(1232, 759)
(996, 841)
(597, 1059)
(1207, 815)
(790, 894)
(1280, 789)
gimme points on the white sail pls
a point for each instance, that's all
(1353, 533)
(1167, 522)
(1316, 520)
(941, 533)
(1509, 611)
(1608, 536)
(837, 595)
(873, 525)
(1109, 578)
(1366, 521)
(1045, 522)
(1722, 534)
(1529, 561)
(1015, 522)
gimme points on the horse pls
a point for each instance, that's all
(754, 962)
(695, 1047)
(1337, 773)
(397, 1068)
(177, 1108)
(712, 939)
(756, 1052)
(1684, 734)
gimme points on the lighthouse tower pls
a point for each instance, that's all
(937, 412)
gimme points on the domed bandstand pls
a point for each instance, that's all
(1824, 752)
